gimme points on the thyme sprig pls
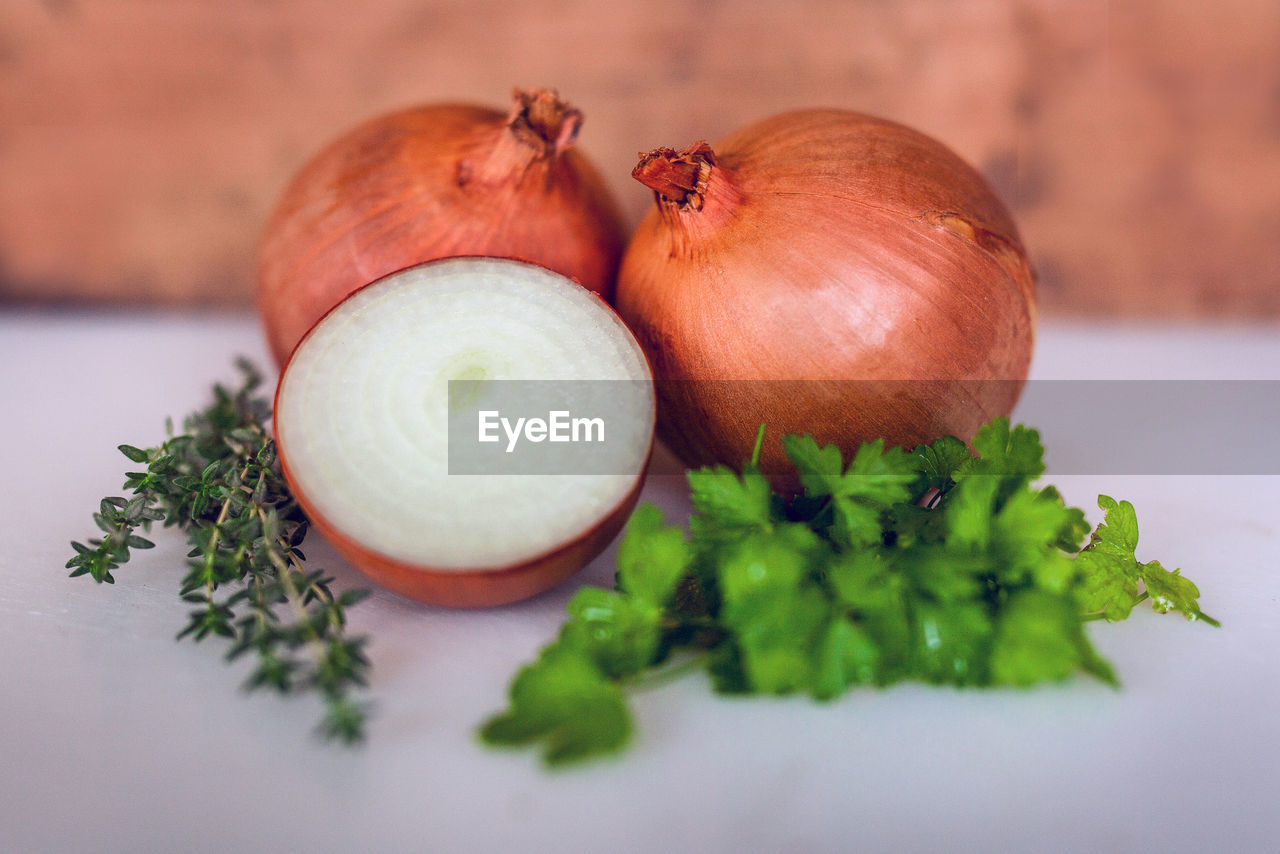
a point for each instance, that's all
(220, 483)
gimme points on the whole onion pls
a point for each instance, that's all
(825, 272)
(435, 182)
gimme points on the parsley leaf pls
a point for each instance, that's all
(1108, 564)
(820, 468)
(969, 511)
(1076, 526)
(1111, 571)
(564, 701)
(875, 480)
(951, 639)
(940, 461)
(772, 608)
(875, 476)
(846, 654)
(1028, 528)
(727, 504)
(617, 632)
(871, 592)
(1117, 535)
(652, 558)
(1039, 638)
(1002, 450)
(1170, 591)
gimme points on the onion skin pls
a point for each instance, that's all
(825, 249)
(476, 588)
(436, 182)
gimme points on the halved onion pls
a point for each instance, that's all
(363, 421)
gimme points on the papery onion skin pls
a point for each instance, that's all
(435, 182)
(477, 588)
(826, 249)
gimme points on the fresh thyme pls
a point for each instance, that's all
(220, 483)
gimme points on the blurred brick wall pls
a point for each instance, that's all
(142, 142)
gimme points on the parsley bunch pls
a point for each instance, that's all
(934, 565)
(220, 483)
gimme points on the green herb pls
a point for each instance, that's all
(220, 483)
(934, 565)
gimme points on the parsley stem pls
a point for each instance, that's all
(658, 678)
(825, 517)
(680, 622)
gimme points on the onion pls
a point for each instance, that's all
(830, 273)
(367, 429)
(435, 182)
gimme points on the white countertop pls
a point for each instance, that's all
(115, 738)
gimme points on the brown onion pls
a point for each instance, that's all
(859, 260)
(435, 182)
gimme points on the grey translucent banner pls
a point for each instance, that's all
(1117, 427)
(1155, 427)
(507, 427)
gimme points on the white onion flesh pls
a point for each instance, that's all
(362, 412)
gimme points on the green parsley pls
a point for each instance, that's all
(934, 565)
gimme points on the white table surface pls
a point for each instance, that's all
(115, 738)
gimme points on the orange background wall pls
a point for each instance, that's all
(142, 142)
